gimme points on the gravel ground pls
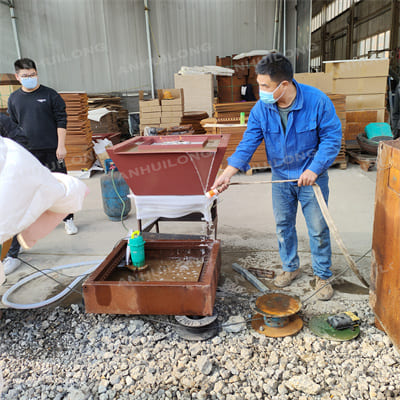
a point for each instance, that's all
(63, 353)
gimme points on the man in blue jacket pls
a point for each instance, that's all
(302, 135)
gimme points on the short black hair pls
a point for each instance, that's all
(277, 66)
(24, 63)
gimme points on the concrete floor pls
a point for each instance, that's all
(246, 228)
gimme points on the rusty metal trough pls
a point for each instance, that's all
(110, 290)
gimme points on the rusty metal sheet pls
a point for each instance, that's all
(107, 291)
(385, 268)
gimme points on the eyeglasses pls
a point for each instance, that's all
(28, 76)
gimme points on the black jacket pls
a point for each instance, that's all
(39, 113)
(9, 129)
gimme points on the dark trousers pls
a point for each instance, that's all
(49, 159)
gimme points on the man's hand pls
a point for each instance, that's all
(222, 182)
(307, 178)
(61, 152)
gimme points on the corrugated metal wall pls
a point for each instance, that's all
(100, 45)
(331, 40)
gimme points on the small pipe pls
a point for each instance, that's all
(14, 26)
(284, 28)
(146, 13)
(275, 24)
(250, 277)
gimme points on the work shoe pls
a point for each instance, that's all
(70, 227)
(10, 264)
(327, 292)
(286, 278)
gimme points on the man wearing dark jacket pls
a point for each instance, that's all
(9, 129)
(40, 112)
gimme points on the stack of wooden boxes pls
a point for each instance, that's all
(364, 83)
(171, 109)
(161, 113)
(229, 114)
(78, 142)
(150, 112)
(8, 84)
(229, 87)
(339, 101)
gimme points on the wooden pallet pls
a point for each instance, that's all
(366, 161)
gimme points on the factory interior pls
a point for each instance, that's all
(154, 259)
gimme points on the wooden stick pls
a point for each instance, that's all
(258, 182)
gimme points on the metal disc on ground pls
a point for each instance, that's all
(292, 325)
(195, 321)
(196, 327)
(320, 326)
(277, 305)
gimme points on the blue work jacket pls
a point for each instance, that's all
(312, 139)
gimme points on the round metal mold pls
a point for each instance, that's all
(196, 328)
(277, 305)
(195, 321)
(292, 325)
(320, 327)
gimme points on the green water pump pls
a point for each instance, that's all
(136, 246)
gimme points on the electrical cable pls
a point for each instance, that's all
(121, 199)
(332, 278)
(69, 288)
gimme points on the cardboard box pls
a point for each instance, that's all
(102, 157)
(5, 91)
(177, 95)
(170, 120)
(172, 114)
(141, 126)
(320, 80)
(199, 91)
(373, 85)
(150, 121)
(148, 104)
(177, 107)
(357, 68)
(365, 101)
(149, 109)
(150, 115)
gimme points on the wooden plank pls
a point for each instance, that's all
(365, 101)
(357, 68)
(385, 277)
(359, 86)
(320, 80)
(361, 116)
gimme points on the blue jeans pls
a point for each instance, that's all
(285, 197)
